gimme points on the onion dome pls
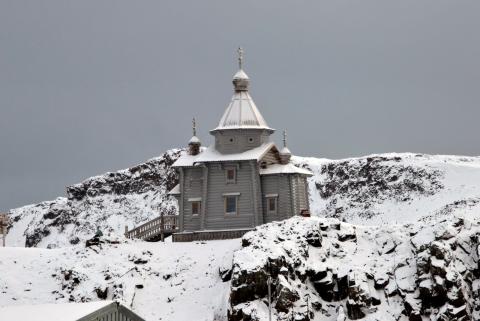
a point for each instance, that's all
(242, 113)
(285, 154)
(194, 143)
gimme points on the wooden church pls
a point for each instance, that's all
(242, 180)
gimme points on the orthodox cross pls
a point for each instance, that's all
(194, 127)
(285, 138)
(240, 57)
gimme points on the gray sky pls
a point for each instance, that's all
(92, 86)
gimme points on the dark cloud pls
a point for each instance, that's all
(92, 86)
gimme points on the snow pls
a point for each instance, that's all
(459, 194)
(284, 169)
(50, 312)
(175, 276)
(212, 155)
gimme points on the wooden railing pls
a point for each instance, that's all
(155, 229)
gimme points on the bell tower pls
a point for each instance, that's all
(241, 127)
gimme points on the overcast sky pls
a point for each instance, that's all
(92, 86)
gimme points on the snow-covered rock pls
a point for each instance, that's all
(110, 201)
(355, 277)
(376, 189)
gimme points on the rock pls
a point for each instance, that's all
(286, 295)
(102, 293)
(225, 274)
(354, 310)
(314, 238)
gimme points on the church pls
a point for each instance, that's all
(242, 180)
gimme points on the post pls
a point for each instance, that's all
(269, 284)
(162, 226)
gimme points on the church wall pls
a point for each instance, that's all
(192, 189)
(277, 184)
(243, 140)
(216, 219)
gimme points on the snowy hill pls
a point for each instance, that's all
(322, 270)
(368, 190)
(393, 188)
(111, 201)
(350, 262)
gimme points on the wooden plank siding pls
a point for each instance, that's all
(216, 219)
(208, 235)
(277, 184)
(192, 189)
(241, 140)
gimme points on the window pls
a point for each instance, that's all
(196, 207)
(231, 140)
(250, 139)
(231, 205)
(272, 205)
(231, 175)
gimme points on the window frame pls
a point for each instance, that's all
(234, 179)
(225, 203)
(275, 200)
(199, 207)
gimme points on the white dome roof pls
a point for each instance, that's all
(242, 113)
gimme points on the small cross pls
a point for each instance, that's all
(194, 127)
(240, 57)
(285, 138)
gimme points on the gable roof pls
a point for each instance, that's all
(212, 155)
(52, 312)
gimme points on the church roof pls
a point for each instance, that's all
(242, 113)
(212, 155)
(284, 169)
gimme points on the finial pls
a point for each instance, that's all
(240, 57)
(194, 127)
(285, 138)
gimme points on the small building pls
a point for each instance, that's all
(91, 311)
(242, 180)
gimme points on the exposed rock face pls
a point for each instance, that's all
(383, 273)
(359, 184)
(110, 201)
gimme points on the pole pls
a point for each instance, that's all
(162, 223)
(269, 284)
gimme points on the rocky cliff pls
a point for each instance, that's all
(110, 202)
(324, 269)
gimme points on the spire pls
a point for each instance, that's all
(242, 113)
(285, 153)
(194, 143)
(240, 79)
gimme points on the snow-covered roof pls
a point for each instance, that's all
(194, 140)
(240, 75)
(242, 113)
(51, 312)
(175, 190)
(212, 155)
(285, 151)
(284, 169)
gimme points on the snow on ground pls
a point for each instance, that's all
(159, 281)
(393, 188)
